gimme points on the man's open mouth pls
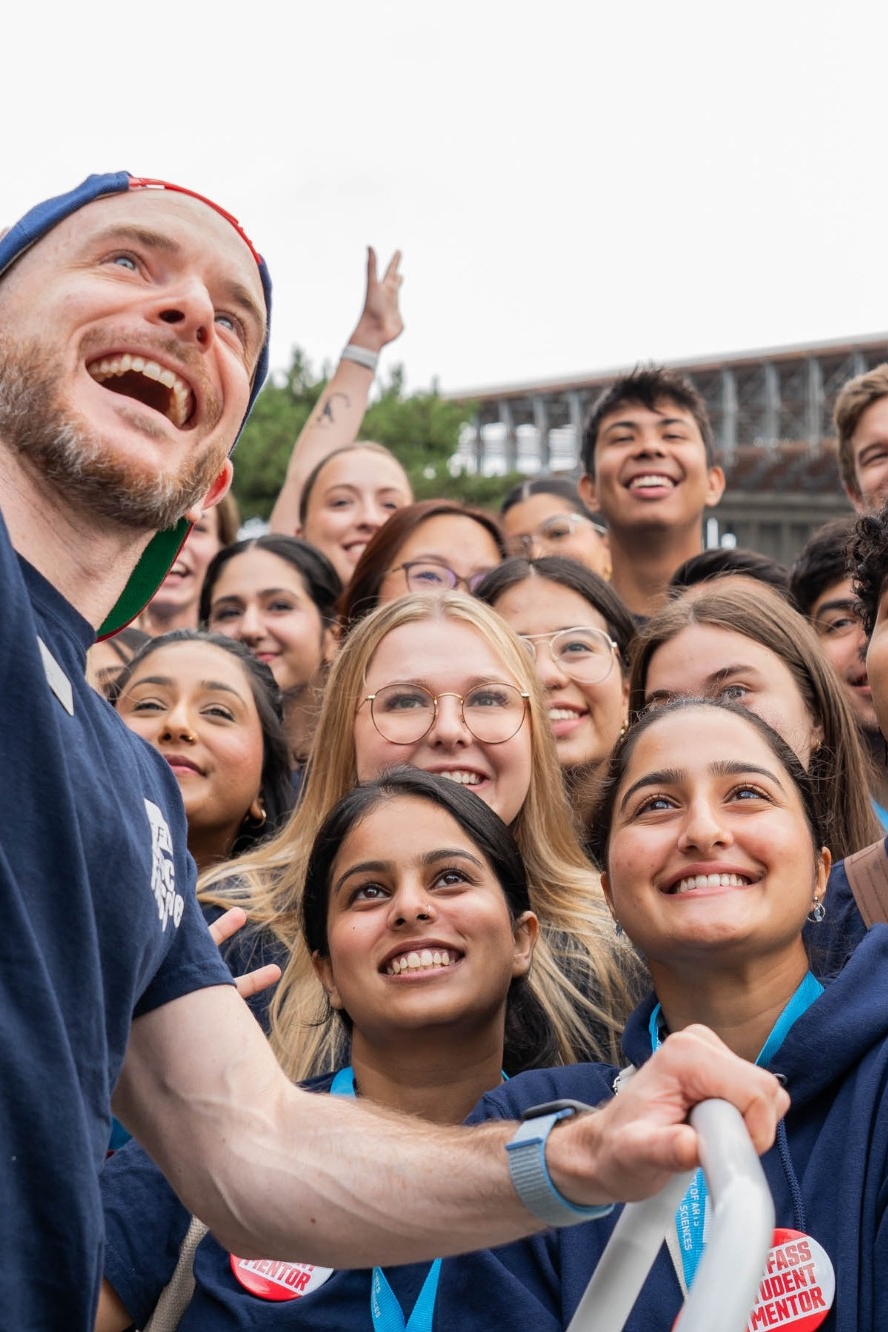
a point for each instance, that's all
(146, 382)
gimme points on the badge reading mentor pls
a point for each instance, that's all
(271, 1280)
(798, 1286)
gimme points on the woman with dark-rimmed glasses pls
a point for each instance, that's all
(431, 546)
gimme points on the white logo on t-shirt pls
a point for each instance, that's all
(163, 871)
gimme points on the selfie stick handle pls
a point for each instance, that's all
(741, 1227)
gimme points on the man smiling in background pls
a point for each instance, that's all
(861, 417)
(647, 457)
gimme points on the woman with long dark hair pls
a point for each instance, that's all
(748, 645)
(714, 863)
(417, 915)
(277, 595)
(214, 712)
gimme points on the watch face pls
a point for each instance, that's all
(552, 1107)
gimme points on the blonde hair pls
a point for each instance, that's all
(582, 977)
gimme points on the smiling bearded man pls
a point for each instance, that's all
(69, 454)
(110, 985)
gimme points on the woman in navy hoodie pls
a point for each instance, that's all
(714, 862)
(417, 916)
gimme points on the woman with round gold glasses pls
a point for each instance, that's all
(405, 713)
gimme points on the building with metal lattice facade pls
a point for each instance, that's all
(771, 412)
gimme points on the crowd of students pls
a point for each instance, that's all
(541, 762)
(487, 809)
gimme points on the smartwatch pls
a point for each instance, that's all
(527, 1165)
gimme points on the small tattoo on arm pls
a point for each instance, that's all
(325, 415)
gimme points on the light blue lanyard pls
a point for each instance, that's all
(691, 1219)
(386, 1312)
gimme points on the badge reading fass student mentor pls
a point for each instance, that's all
(271, 1280)
(798, 1286)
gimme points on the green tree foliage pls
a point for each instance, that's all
(261, 457)
(422, 430)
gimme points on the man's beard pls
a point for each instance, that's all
(61, 449)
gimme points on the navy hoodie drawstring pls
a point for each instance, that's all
(798, 1203)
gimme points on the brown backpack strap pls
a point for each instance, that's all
(867, 872)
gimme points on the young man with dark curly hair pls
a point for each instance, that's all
(869, 562)
(649, 467)
(821, 588)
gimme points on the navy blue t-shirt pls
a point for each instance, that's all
(99, 925)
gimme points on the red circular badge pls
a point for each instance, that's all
(798, 1286)
(272, 1280)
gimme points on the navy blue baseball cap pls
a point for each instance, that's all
(160, 553)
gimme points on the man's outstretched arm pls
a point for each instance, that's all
(280, 1173)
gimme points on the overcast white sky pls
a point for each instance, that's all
(575, 186)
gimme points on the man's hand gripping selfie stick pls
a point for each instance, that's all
(730, 1271)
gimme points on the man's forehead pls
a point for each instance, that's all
(837, 594)
(631, 410)
(873, 420)
(178, 218)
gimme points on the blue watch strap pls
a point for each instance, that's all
(527, 1165)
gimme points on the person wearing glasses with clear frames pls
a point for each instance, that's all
(546, 516)
(578, 633)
